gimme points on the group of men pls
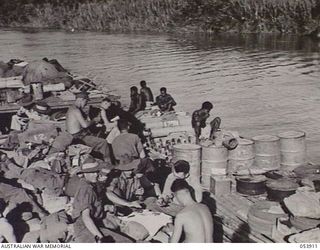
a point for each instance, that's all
(139, 101)
(135, 180)
(116, 175)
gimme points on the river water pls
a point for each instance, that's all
(258, 84)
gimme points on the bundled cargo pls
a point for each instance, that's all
(44, 72)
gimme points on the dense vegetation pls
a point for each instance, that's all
(285, 16)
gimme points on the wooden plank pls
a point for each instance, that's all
(232, 221)
(54, 102)
(11, 82)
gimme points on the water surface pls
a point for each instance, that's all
(258, 84)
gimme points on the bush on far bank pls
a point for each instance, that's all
(243, 16)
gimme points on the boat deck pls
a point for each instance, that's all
(231, 211)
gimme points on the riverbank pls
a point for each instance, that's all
(242, 16)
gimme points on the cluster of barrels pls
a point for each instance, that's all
(265, 152)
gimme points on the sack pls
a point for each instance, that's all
(135, 230)
(38, 133)
(54, 227)
(79, 149)
(304, 204)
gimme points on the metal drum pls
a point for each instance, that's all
(190, 153)
(242, 157)
(293, 149)
(214, 162)
(267, 152)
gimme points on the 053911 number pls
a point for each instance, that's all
(308, 245)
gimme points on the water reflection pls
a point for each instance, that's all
(250, 42)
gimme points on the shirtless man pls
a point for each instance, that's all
(195, 219)
(138, 101)
(146, 92)
(199, 118)
(77, 125)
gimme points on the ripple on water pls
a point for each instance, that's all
(258, 84)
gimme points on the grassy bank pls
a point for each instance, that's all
(285, 16)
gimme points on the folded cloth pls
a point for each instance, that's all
(151, 221)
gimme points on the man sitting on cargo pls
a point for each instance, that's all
(146, 92)
(167, 203)
(88, 210)
(77, 125)
(113, 112)
(165, 101)
(199, 118)
(130, 144)
(194, 220)
(138, 101)
(181, 170)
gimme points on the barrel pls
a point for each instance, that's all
(279, 189)
(190, 153)
(242, 157)
(267, 152)
(262, 221)
(37, 91)
(292, 149)
(214, 162)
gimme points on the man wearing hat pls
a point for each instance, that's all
(88, 210)
(77, 124)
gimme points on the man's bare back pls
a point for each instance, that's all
(197, 224)
(75, 121)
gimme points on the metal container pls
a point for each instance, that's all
(214, 162)
(279, 189)
(251, 185)
(190, 153)
(293, 149)
(267, 151)
(242, 157)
